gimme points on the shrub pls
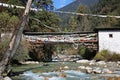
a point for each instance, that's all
(103, 55)
(107, 56)
(42, 53)
(3, 45)
(86, 53)
(115, 57)
(22, 51)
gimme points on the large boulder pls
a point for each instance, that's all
(7, 78)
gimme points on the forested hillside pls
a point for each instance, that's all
(88, 23)
(73, 7)
(107, 7)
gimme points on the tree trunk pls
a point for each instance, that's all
(15, 40)
(0, 36)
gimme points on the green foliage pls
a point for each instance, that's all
(15, 11)
(107, 7)
(22, 52)
(42, 53)
(107, 56)
(15, 2)
(82, 50)
(103, 55)
(88, 23)
(13, 22)
(3, 45)
(72, 23)
(47, 18)
(115, 57)
(84, 22)
(83, 9)
(86, 53)
(7, 22)
(4, 19)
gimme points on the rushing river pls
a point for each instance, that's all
(53, 71)
(64, 75)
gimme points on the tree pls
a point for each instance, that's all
(22, 51)
(7, 22)
(15, 11)
(72, 23)
(84, 22)
(4, 19)
(15, 40)
(107, 7)
(45, 18)
(12, 23)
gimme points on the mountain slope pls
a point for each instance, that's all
(74, 5)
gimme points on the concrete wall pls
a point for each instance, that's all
(109, 40)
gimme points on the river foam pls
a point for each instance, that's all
(68, 75)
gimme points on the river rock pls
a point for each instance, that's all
(7, 78)
(101, 63)
(30, 62)
(45, 78)
(81, 67)
(118, 62)
(93, 62)
(83, 61)
(63, 75)
(89, 70)
(107, 71)
(66, 67)
(97, 71)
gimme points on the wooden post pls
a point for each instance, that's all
(15, 40)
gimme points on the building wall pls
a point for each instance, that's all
(109, 40)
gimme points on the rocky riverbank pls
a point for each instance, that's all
(64, 63)
(90, 68)
(99, 67)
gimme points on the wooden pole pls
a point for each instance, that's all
(15, 40)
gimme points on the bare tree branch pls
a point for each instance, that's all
(53, 29)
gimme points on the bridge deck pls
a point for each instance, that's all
(88, 39)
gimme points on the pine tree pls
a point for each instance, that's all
(72, 23)
(84, 23)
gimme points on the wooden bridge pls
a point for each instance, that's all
(88, 39)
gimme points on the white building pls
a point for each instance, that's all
(109, 39)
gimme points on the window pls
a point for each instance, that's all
(110, 35)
